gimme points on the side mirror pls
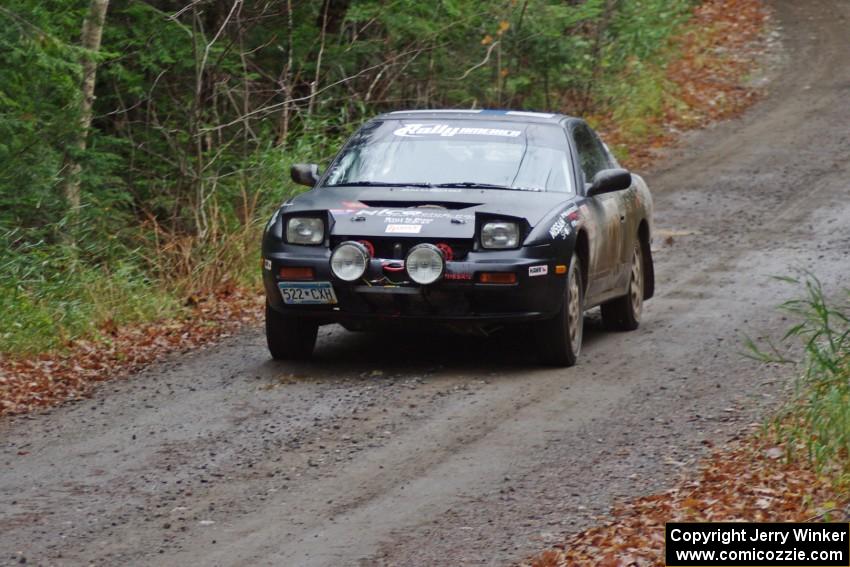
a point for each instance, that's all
(610, 180)
(305, 174)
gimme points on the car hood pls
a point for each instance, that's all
(443, 212)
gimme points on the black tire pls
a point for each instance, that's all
(289, 338)
(559, 339)
(623, 313)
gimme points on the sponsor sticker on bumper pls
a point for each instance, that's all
(538, 270)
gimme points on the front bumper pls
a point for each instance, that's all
(461, 300)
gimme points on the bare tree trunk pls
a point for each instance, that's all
(601, 28)
(314, 86)
(284, 82)
(90, 39)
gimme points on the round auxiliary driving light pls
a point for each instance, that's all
(425, 264)
(349, 261)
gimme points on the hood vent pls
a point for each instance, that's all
(423, 204)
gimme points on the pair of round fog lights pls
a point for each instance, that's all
(425, 263)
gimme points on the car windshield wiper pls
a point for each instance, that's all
(475, 185)
(378, 184)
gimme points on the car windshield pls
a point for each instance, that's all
(455, 153)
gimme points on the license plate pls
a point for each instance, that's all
(307, 293)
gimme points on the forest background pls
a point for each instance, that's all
(143, 143)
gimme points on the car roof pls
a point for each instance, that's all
(482, 114)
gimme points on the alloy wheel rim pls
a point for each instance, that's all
(636, 283)
(574, 316)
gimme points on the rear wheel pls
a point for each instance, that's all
(289, 338)
(559, 339)
(623, 313)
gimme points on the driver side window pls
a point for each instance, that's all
(590, 153)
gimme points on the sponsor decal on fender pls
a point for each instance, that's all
(563, 225)
(267, 264)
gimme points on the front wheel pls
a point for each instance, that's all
(623, 313)
(559, 338)
(289, 338)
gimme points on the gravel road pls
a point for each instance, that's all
(406, 450)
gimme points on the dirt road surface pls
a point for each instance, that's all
(459, 451)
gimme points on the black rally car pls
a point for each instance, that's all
(470, 219)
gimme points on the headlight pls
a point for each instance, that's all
(349, 261)
(425, 264)
(500, 235)
(305, 230)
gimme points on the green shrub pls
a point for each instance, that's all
(818, 415)
(49, 295)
